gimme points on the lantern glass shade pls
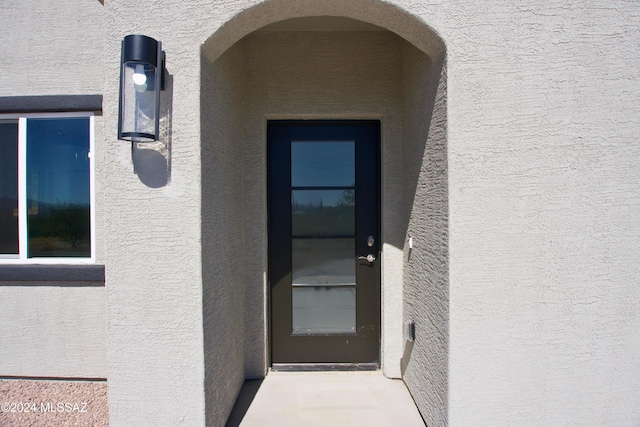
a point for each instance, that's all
(139, 90)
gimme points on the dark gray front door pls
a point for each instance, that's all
(323, 183)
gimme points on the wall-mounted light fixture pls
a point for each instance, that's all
(141, 79)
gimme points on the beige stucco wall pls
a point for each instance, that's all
(155, 330)
(543, 180)
(425, 361)
(52, 48)
(53, 332)
(226, 318)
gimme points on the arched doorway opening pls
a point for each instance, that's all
(328, 61)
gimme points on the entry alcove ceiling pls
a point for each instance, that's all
(321, 23)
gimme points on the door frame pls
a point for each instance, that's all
(379, 246)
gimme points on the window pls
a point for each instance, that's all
(46, 188)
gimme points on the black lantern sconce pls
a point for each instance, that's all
(141, 80)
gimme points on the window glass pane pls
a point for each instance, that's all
(323, 212)
(324, 310)
(8, 187)
(323, 164)
(58, 187)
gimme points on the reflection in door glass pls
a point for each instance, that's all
(323, 164)
(322, 217)
(323, 212)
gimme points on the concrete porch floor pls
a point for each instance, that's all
(325, 399)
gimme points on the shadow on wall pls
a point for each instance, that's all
(406, 355)
(152, 160)
(424, 364)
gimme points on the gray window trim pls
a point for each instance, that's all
(50, 104)
(52, 275)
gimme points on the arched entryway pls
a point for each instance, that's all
(324, 61)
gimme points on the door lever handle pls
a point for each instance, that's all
(370, 257)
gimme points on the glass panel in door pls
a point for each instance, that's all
(323, 237)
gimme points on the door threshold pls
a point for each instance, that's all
(308, 367)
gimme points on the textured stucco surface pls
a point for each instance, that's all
(52, 332)
(426, 268)
(154, 270)
(544, 206)
(223, 256)
(51, 48)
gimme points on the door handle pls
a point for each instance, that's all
(370, 257)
